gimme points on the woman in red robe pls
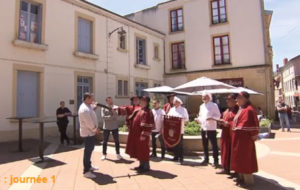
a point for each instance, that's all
(244, 135)
(139, 135)
(169, 104)
(130, 109)
(226, 124)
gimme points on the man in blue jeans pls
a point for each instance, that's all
(110, 125)
(283, 115)
(88, 130)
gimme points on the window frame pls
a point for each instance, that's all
(156, 55)
(137, 51)
(39, 21)
(219, 12)
(221, 50)
(123, 80)
(78, 53)
(172, 58)
(171, 24)
(41, 46)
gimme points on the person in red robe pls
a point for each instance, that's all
(226, 124)
(130, 109)
(244, 134)
(139, 135)
(169, 104)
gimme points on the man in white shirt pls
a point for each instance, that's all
(209, 113)
(158, 114)
(88, 130)
(179, 111)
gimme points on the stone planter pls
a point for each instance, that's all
(265, 129)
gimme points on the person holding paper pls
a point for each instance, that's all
(209, 114)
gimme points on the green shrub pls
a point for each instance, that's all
(265, 122)
(123, 128)
(192, 128)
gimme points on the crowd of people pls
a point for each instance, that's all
(239, 124)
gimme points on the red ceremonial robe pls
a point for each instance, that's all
(245, 129)
(129, 111)
(142, 125)
(225, 141)
(167, 107)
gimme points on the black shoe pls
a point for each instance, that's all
(204, 163)
(216, 165)
(136, 168)
(153, 155)
(181, 161)
(233, 175)
(143, 170)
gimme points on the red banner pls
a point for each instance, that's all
(171, 131)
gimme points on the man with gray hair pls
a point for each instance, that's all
(209, 113)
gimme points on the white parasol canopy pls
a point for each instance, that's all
(165, 90)
(228, 91)
(159, 89)
(202, 83)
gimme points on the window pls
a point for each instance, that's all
(156, 52)
(139, 87)
(176, 20)
(122, 88)
(30, 22)
(27, 94)
(221, 50)
(122, 41)
(84, 85)
(156, 85)
(218, 11)
(178, 56)
(140, 51)
(85, 36)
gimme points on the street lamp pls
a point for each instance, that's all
(120, 30)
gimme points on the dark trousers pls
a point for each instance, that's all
(178, 150)
(115, 134)
(62, 127)
(89, 144)
(162, 144)
(212, 137)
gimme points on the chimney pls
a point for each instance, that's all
(277, 68)
(285, 61)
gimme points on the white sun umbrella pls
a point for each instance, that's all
(228, 91)
(164, 90)
(159, 89)
(202, 83)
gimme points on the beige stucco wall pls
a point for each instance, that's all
(244, 27)
(60, 65)
(249, 41)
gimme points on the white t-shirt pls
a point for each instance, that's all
(88, 120)
(180, 112)
(158, 119)
(209, 110)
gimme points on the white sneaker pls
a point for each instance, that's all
(119, 157)
(103, 157)
(90, 175)
(93, 168)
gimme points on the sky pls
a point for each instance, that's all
(285, 24)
